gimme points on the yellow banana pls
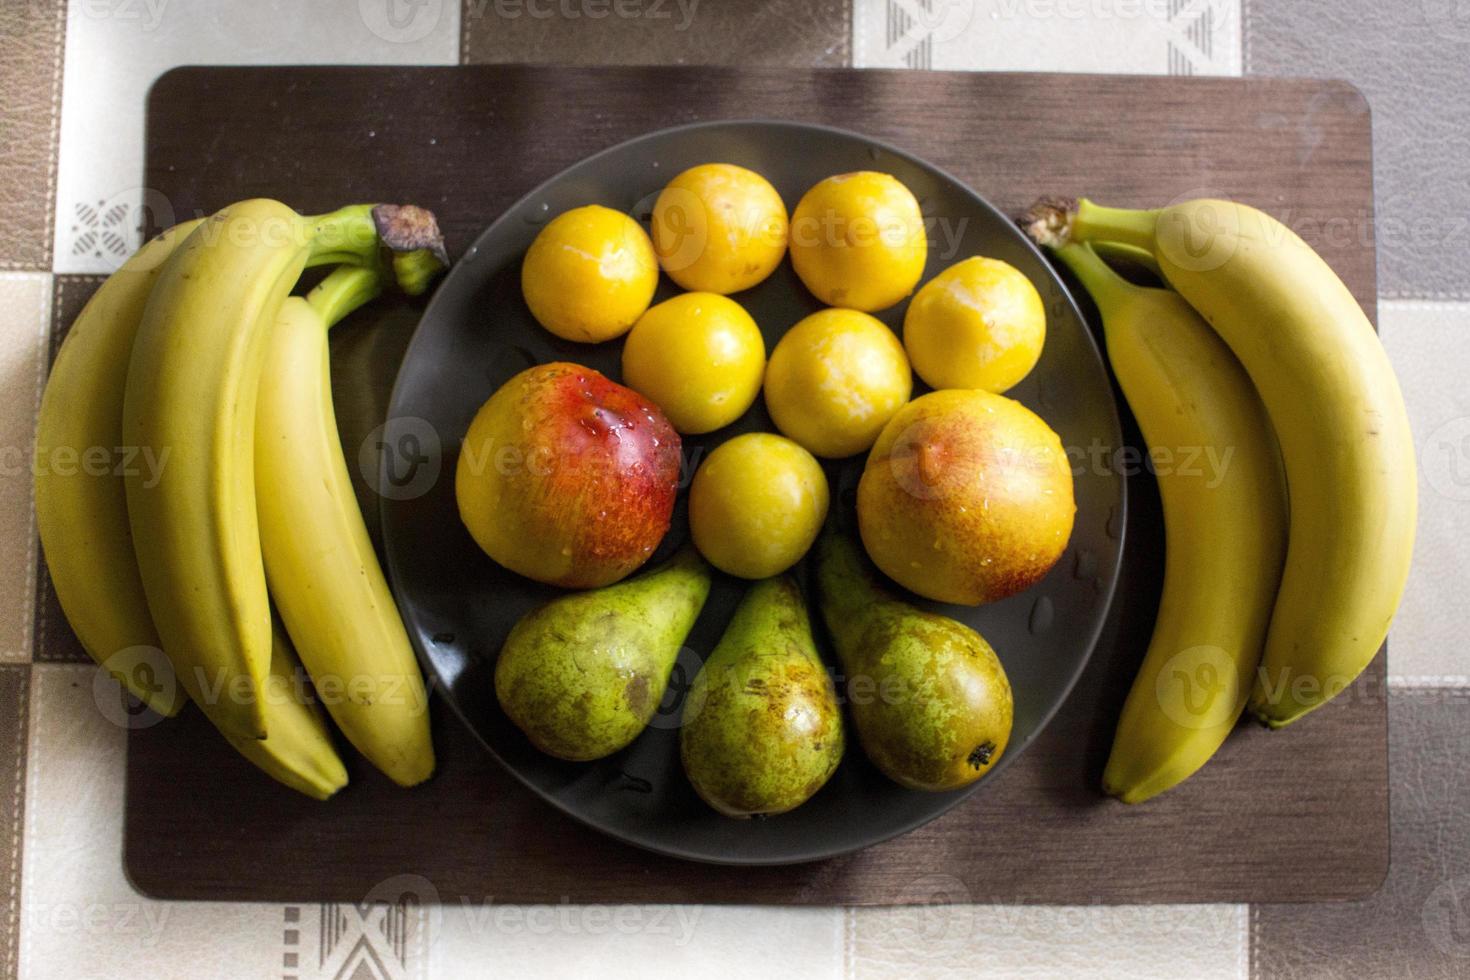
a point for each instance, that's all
(298, 752)
(1338, 414)
(190, 400)
(81, 504)
(323, 572)
(1224, 520)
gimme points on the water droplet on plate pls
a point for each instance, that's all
(1052, 394)
(637, 784)
(1042, 614)
(538, 214)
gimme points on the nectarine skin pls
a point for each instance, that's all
(567, 477)
(966, 497)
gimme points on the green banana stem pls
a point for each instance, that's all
(415, 270)
(1118, 252)
(1093, 222)
(1106, 287)
(355, 235)
(343, 290)
(345, 236)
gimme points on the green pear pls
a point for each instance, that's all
(583, 674)
(762, 727)
(928, 695)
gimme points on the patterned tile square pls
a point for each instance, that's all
(698, 942)
(14, 702)
(115, 50)
(25, 312)
(30, 76)
(1415, 925)
(1429, 344)
(794, 33)
(1153, 37)
(81, 918)
(1409, 59)
(962, 941)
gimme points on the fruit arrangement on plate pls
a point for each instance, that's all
(867, 485)
(570, 479)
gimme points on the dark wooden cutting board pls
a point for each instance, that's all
(1294, 815)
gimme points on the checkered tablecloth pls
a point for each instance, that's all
(71, 127)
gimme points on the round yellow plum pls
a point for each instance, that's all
(978, 324)
(858, 241)
(757, 504)
(719, 228)
(834, 381)
(699, 357)
(590, 274)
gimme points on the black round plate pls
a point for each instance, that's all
(459, 605)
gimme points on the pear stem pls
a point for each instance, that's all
(847, 584)
(767, 604)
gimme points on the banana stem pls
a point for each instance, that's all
(356, 234)
(1106, 287)
(415, 270)
(1093, 222)
(345, 236)
(1117, 251)
(343, 290)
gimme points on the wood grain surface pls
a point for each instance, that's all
(1298, 815)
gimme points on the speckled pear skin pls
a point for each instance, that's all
(762, 726)
(583, 674)
(929, 698)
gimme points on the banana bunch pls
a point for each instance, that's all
(1258, 345)
(195, 358)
